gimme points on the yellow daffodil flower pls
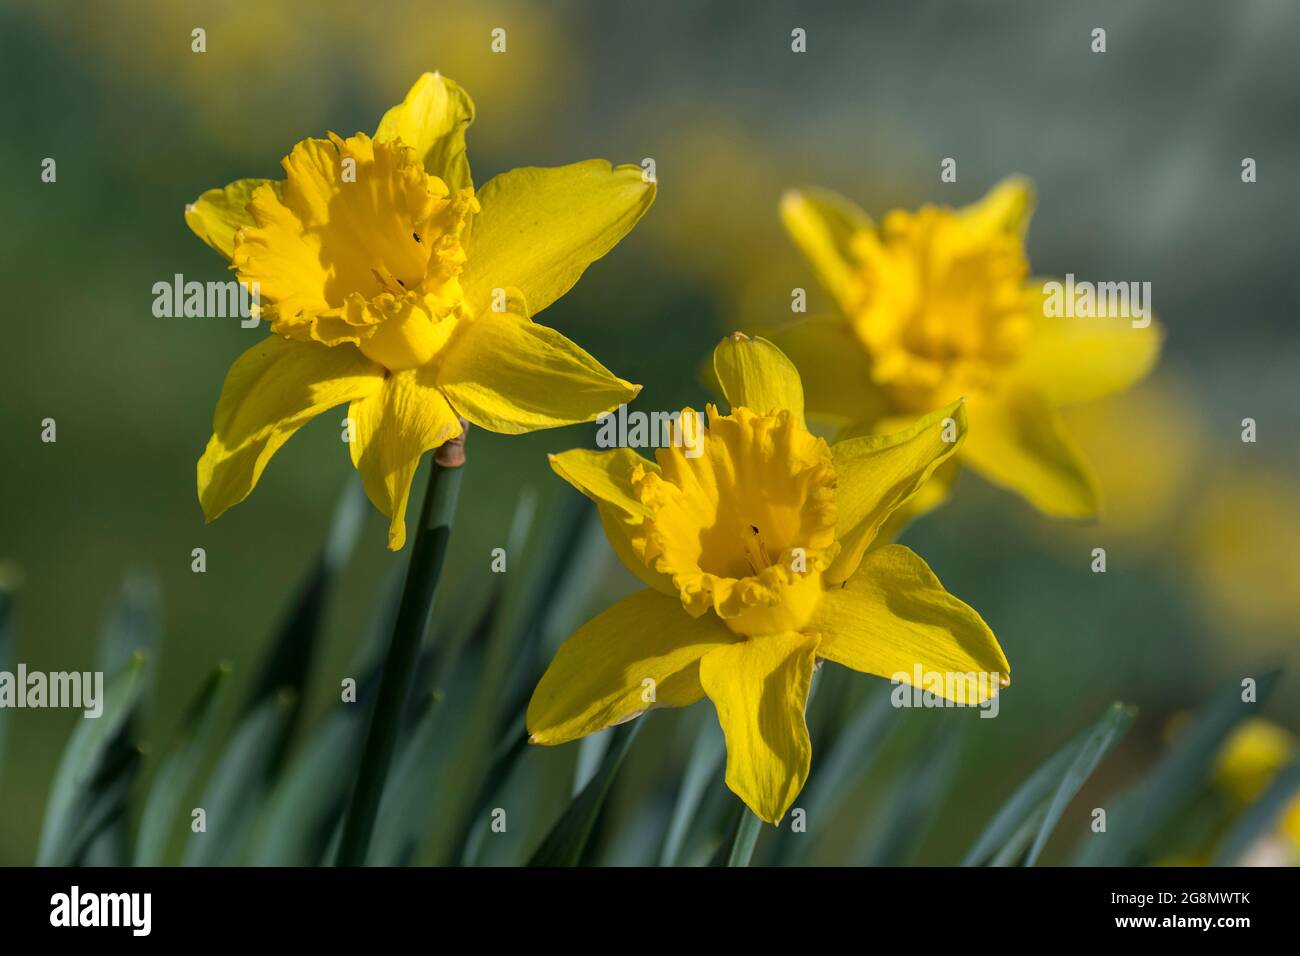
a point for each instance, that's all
(755, 556)
(390, 283)
(936, 304)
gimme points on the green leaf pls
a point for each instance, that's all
(1013, 850)
(300, 816)
(591, 750)
(237, 786)
(101, 830)
(502, 663)
(1031, 812)
(307, 799)
(448, 680)
(81, 774)
(179, 769)
(270, 712)
(742, 844)
(897, 832)
(1261, 817)
(1092, 748)
(571, 566)
(568, 839)
(1133, 834)
(849, 759)
(701, 769)
(1026, 805)
(288, 662)
(1189, 761)
(418, 814)
(131, 625)
(399, 826)
(503, 764)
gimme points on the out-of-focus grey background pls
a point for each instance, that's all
(1136, 154)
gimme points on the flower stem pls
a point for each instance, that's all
(427, 557)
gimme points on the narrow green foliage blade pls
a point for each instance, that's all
(81, 771)
(742, 844)
(307, 799)
(132, 624)
(288, 662)
(503, 764)
(235, 790)
(399, 825)
(565, 844)
(1053, 779)
(179, 769)
(1013, 850)
(702, 767)
(1092, 749)
(897, 833)
(849, 759)
(1133, 837)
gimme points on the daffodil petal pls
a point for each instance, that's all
(878, 473)
(1005, 208)
(755, 374)
(893, 617)
(432, 120)
(507, 374)
(643, 652)
(606, 477)
(391, 429)
(217, 214)
(540, 228)
(1018, 440)
(822, 224)
(933, 493)
(1081, 359)
(760, 690)
(834, 367)
(271, 391)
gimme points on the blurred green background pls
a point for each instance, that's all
(1136, 154)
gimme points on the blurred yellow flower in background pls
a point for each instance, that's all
(1146, 446)
(1248, 762)
(937, 304)
(715, 225)
(527, 84)
(1148, 449)
(257, 52)
(1240, 541)
(1251, 757)
(755, 553)
(391, 284)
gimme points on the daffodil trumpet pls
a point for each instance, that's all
(757, 561)
(391, 283)
(938, 303)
